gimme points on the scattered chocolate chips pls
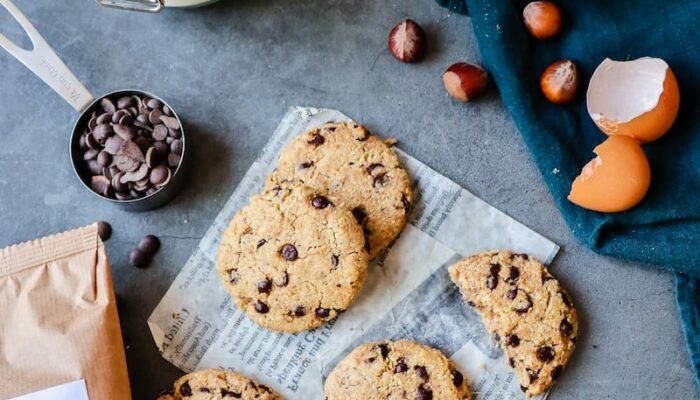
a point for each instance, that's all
(512, 293)
(323, 312)
(320, 202)
(556, 372)
(422, 372)
(383, 350)
(513, 275)
(185, 389)
(299, 311)
(139, 258)
(566, 328)
(316, 140)
(227, 393)
(104, 230)
(400, 367)
(306, 164)
(289, 252)
(565, 299)
(492, 280)
(457, 378)
(360, 215)
(261, 307)
(264, 286)
(118, 135)
(261, 243)
(512, 340)
(406, 204)
(149, 244)
(545, 354)
(522, 309)
(424, 393)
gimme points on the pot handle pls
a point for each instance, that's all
(134, 5)
(44, 62)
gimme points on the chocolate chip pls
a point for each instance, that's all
(228, 393)
(371, 360)
(457, 378)
(154, 103)
(261, 242)
(320, 202)
(264, 286)
(205, 390)
(379, 181)
(513, 275)
(556, 372)
(372, 167)
(523, 388)
(91, 141)
(512, 293)
(159, 175)
(104, 159)
(299, 311)
(322, 312)
(492, 280)
(496, 337)
(170, 122)
(91, 154)
(125, 132)
(316, 140)
(100, 184)
(545, 354)
(261, 307)
(422, 372)
(102, 119)
(160, 132)
(533, 375)
(383, 350)
(546, 277)
(406, 204)
(102, 132)
(334, 261)
(233, 276)
(139, 259)
(512, 340)
(176, 147)
(471, 303)
(511, 361)
(401, 367)
(125, 102)
(108, 105)
(149, 244)
(306, 164)
(424, 393)
(289, 252)
(522, 309)
(566, 328)
(104, 230)
(360, 215)
(565, 299)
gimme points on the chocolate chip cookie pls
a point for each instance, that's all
(293, 259)
(526, 311)
(218, 384)
(395, 370)
(356, 170)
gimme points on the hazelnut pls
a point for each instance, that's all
(542, 19)
(559, 82)
(465, 81)
(407, 41)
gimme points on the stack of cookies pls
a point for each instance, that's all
(297, 255)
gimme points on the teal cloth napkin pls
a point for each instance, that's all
(664, 230)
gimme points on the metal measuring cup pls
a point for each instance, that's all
(44, 62)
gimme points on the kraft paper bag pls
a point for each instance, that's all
(58, 318)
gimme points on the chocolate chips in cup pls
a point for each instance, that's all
(130, 147)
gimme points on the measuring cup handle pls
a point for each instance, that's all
(44, 62)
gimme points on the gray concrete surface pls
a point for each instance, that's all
(232, 70)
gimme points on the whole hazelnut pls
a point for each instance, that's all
(407, 41)
(542, 19)
(465, 81)
(559, 82)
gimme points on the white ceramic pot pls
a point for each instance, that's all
(153, 5)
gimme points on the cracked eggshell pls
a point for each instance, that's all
(616, 180)
(637, 98)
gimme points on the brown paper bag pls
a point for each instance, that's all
(58, 318)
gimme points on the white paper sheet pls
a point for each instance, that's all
(408, 293)
(68, 391)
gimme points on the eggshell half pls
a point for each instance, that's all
(637, 98)
(616, 180)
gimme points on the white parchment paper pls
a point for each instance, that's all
(408, 293)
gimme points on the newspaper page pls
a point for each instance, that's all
(408, 293)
